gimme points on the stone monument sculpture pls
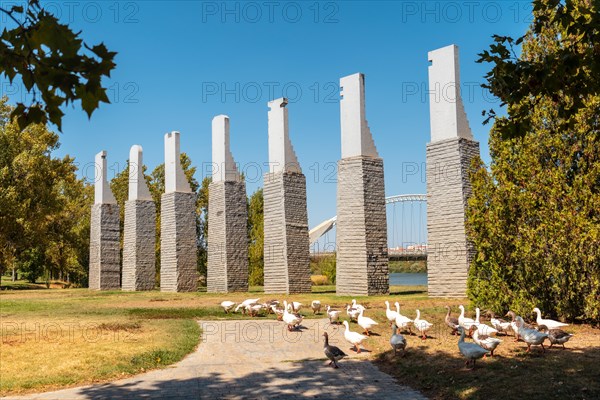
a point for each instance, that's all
(449, 156)
(139, 238)
(227, 269)
(105, 266)
(286, 245)
(178, 255)
(361, 230)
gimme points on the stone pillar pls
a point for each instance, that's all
(228, 217)
(105, 269)
(286, 245)
(139, 259)
(361, 230)
(449, 155)
(178, 253)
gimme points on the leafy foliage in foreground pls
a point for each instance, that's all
(51, 60)
(534, 217)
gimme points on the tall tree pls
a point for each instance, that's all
(256, 238)
(53, 63)
(40, 201)
(534, 216)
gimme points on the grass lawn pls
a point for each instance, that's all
(66, 337)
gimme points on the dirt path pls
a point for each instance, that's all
(254, 359)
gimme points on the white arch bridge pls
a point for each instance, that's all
(407, 228)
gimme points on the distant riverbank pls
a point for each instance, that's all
(418, 266)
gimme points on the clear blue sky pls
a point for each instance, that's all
(181, 63)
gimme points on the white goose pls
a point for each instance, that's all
(487, 342)
(228, 306)
(550, 323)
(464, 321)
(530, 336)
(482, 328)
(295, 306)
(365, 322)
(316, 306)
(390, 314)
(246, 303)
(422, 325)
(354, 338)
(352, 312)
(334, 315)
(292, 320)
(403, 322)
(500, 324)
(254, 310)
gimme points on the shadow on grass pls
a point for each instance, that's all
(565, 374)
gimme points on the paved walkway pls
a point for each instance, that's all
(254, 360)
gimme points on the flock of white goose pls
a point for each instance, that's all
(483, 335)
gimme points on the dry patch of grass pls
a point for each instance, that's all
(48, 343)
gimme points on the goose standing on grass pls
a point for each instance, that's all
(278, 312)
(246, 303)
(464, 321)
(487, 342)
(498, 323)
(354, 338)
(550, 323)
(402, 321)
(254, 310)
(316, 306)
(530, 336)
(556, 336)
(365, 322)
(334, 315)
(514, 325)
(228, 306)
(452, 322)
(397, 341)
(292, 320)
(472, 351)
(482, 328)
(295, 306)
(390, 314)
(422, 325)
(334, 353)
(352, 312)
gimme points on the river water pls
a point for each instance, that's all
(408, 279)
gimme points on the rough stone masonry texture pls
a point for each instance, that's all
(449, 253)
(178, 243)
(227, 237)
(362, 253)
(139, 257)
(105, 268)
(286, 245)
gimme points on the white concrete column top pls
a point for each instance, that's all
(282, 157)
(138, 188)
(102, 192)
(356, 135)
(224, 167)
(447, 112)
(175, 179)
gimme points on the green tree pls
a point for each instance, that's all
(534, 216)
(53, 63)
(256, 238)
(42, 202)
